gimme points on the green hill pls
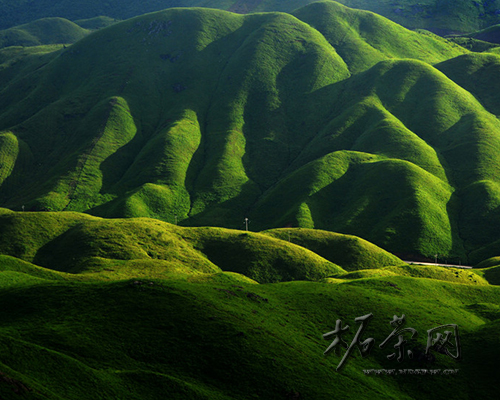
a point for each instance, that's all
(350, 252)
(332, 119)
(439, 16)
(363, 39)
(490, 34)
(96, 22)
(99, 336)
(42, 32)
(80, 244)
(206, 117)
(143, 309)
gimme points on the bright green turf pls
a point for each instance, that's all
(363, 39)
(350, 252)
(147, 309)
(77, 243)
(204, 117)
(456, 275)
(151, 338)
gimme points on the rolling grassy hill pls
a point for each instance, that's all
(158, 338)
(207, 117)
(439, 16)
(77, 243)
(42, 32)
(332, 119)
(142, 309)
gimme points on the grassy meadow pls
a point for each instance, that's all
(133, 152)
(141, 309)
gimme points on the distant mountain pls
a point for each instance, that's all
(490, 34)
(43, 31)
(437, 15)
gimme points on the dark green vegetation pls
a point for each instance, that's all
(475, 45)
(332, 119)
(329, 118)
(490, 34)
(142, 309)
(438, 15)
(96, 22)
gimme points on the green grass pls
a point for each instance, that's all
(350, 252)
(96, 22)
(125, 340)
(205, 117)
(80, 244)
(461, 16)
(363, 39)
(455, 275)
(488, 35)
(141, 309)
(473, 44)
(42, 32)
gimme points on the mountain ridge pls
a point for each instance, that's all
(205, 117)
(436, 15)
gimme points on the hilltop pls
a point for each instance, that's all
(438, 16)
(80, 244)
(42, 32)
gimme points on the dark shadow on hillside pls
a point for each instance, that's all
(64, 252)
(115, 167)
(458, 254)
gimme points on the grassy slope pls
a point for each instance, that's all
(97, 336)
(77, 243)
(132, 329)
(473, 44)
(350, 252)
(490, 34)
(255, 115)
(363, 39)
(42, 32)
(96, 22)
(153, 338)
(343, 185)
(171, 126)
(480, 198)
